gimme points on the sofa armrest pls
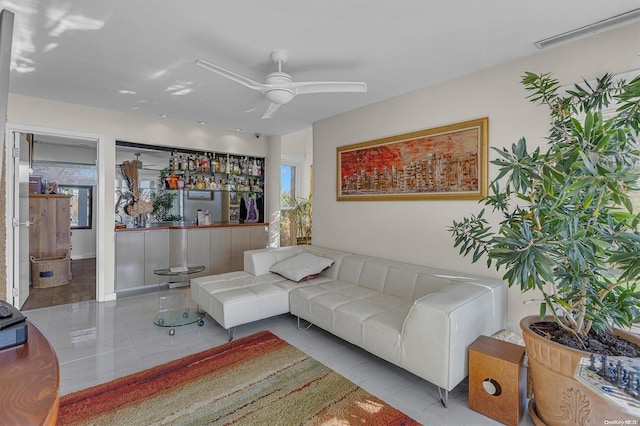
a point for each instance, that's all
(258, 262)
(441, 326)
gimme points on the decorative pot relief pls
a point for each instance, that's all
(575, 409)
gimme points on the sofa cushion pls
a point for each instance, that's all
(320, 301)
(349, 319)
(382, 332)
(302, 267)
(401, 282)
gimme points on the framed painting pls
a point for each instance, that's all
(448, 162)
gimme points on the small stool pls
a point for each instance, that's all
(497, 380)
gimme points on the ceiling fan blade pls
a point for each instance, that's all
(272, 109)
(302, 88)
(251, 84)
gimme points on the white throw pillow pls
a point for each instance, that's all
(302, 267)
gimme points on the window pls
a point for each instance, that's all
(287, 201)
(287, 186)
(81, 204)
(66, 173)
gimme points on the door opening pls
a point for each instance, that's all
(52, 160)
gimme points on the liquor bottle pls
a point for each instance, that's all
(199, 184)
(204, 164)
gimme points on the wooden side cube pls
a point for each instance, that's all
(497, 380)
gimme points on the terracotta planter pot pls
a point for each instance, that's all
(559, 399)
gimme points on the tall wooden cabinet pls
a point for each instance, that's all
(50, 228)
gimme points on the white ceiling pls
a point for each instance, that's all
(138, 56)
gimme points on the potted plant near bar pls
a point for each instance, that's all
(569, 234)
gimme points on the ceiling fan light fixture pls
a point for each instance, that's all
(279, 96)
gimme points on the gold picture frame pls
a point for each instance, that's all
(443, 163)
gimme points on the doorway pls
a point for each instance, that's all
(64, 160)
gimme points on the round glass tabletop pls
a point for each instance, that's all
(179, 270)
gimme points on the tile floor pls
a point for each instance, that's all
(97, 342)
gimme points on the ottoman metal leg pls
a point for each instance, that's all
(231, 332)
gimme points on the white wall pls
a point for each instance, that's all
(416, 231)
(110, 126)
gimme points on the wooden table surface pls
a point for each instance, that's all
(29, 382)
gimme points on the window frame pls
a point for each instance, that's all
(74, 191)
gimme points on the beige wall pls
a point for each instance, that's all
(416, 231)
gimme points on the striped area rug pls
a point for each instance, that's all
(256, 380)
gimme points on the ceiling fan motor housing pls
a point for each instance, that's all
(279, 95)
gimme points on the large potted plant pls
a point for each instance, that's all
(564, 228)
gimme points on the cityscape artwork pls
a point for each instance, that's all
(448, 162)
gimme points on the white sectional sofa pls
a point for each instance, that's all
(420, 318)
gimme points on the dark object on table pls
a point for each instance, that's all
(13, 326)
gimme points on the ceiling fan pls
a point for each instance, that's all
(279, 87)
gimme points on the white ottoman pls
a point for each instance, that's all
(237, 298)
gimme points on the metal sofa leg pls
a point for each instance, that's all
(231, 332)
(444, 396)
(303, 328)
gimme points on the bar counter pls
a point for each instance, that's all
(218, 247)
(187, 225)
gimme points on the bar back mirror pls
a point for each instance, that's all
(81, 205)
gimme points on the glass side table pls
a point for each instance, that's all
(179, 272)
(173, 307)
